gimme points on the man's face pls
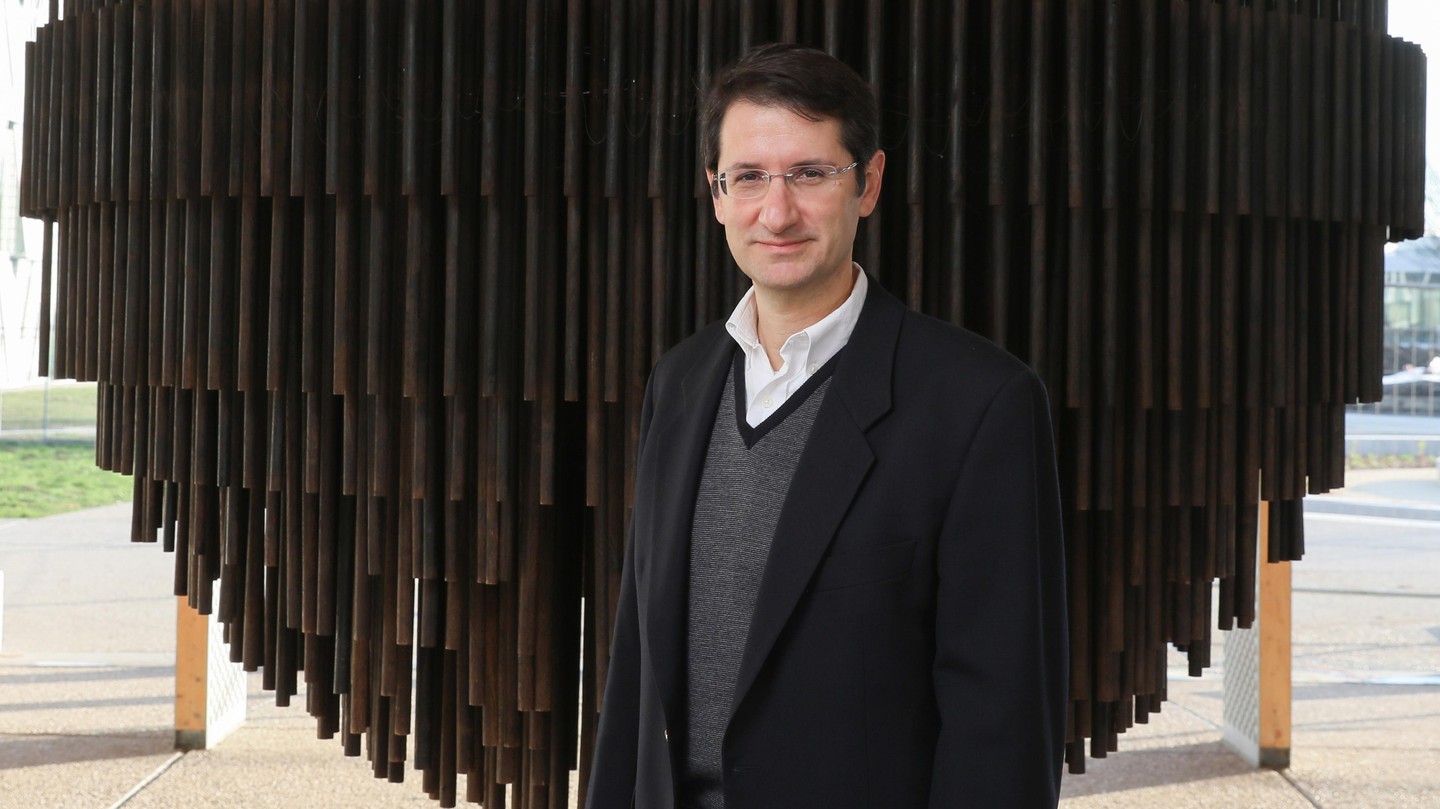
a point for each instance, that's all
(792, 240)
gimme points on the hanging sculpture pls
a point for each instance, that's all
(372, 289)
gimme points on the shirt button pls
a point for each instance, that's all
(813, 368)
(767, 401)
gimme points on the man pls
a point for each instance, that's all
(844, 582)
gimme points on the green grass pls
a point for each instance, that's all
(68, 406)
(38, 479)
(1422, 461)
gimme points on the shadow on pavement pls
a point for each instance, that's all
(42, 676)
(37, 751)
(1154, 767)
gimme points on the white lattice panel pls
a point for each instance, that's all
(225, 690)
(1242, 689)
(1242, 692)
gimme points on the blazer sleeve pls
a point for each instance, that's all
(1001, 667)
(612, 771)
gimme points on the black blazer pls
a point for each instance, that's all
(908, 647)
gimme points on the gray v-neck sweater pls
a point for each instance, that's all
(743, 485)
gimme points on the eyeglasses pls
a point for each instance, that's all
(753, 183)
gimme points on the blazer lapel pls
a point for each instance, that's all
(832, 468)
(679, 452)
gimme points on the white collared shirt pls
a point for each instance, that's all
(803, 353)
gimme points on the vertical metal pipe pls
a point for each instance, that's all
(104, 69)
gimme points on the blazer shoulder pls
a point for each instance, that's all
(683, 355)
(955, 352)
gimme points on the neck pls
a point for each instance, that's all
(781, 313)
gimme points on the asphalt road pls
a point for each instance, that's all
(1366, 599)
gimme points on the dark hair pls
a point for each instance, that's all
(810, 83)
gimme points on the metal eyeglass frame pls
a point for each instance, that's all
(721, 183)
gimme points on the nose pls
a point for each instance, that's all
(777, 207)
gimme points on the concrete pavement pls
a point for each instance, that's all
(1366, 683)
(86, 683)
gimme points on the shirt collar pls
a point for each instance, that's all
(826, 336)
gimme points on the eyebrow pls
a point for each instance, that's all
(814, 161)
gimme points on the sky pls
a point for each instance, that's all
(18, 19)
(1418, 21)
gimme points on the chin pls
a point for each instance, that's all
(784, 277)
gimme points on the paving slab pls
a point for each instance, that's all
(83, 771)
(276, 760)
(87, 677)
(74, 583)
(1191, 776)
(1368, 778)
(1177, 759)
(74, 701)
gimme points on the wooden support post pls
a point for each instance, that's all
(191, 630)
(1257, 667)
(209, 689)
(1274, 620)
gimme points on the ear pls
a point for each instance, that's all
(715, 197)
(874, 172)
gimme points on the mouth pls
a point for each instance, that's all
(774, 246)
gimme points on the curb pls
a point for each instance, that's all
(1330, 504)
